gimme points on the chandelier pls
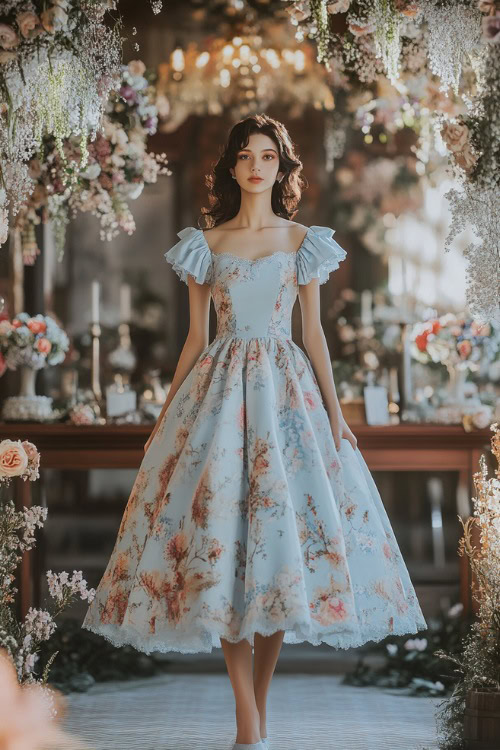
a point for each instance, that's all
(242, 74)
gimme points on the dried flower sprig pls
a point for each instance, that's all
(478, 667)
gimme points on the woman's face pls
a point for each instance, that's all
(260, 159)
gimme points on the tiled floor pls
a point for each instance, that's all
(196, 712)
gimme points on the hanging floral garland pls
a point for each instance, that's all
(115, 172)
(59, 62)
(456, 41)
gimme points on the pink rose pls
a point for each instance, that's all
(136, 67)
(37, 326)
(29, 25)
(8, 37)
(33, 459)
(491, 28)
(43, 345)
(13, 458)
(455, 135)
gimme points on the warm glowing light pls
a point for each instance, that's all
(202, 59)
(245, 53)
(178, 59)
(300, 61)
(225, 78)
(227, 53)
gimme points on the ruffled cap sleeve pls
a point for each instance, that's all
(191, 255)
(318, 255)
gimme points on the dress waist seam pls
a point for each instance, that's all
(253, 338)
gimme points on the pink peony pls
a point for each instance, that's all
(13, 458)
(8, 37)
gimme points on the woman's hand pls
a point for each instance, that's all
(340, 429)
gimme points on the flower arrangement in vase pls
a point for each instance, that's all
(458, 342)
(29, 343)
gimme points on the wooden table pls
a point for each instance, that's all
(404, 447)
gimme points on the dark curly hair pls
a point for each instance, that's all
(225, 193)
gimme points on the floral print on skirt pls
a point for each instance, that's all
(243, 517)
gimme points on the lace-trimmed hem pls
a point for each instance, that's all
(210, 638)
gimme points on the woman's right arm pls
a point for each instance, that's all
(196, 341)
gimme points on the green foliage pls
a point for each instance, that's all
(415, 670)
(84, 658)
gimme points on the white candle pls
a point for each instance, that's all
(95, 301)
(125, 303)
(366, 307)
(404, 299)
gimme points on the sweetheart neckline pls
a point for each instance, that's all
(254, 260)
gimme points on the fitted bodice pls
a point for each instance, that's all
(254, 298)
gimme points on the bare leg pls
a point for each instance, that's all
(238, 658)
(266, 652)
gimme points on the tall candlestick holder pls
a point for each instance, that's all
(95, 331)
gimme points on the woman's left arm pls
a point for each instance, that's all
(317, 349)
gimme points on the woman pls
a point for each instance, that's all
(253, 519)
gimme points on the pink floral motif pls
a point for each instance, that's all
(243, 493)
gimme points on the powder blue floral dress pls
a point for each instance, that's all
(243, 517)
